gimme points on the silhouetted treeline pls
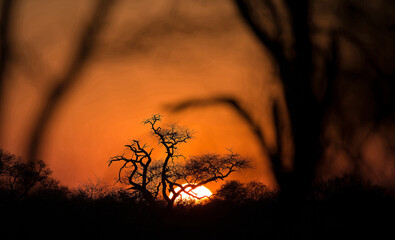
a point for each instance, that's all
(342, 207)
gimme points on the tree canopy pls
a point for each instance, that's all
(152, 178)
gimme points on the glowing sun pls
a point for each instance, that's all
(199, 194)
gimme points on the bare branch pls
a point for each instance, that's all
(149, 177)
(7, 9)
(272, 45)
(84, 50)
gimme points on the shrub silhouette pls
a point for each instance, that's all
(238, 192)
(18, 178)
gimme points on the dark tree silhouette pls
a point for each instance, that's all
(18, 179)
(296, 68)
(234, 191)
(312, 64)
(152, 178)
(311, 71)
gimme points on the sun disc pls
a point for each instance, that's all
(196, 195)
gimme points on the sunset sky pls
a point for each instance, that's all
(203, 119)
(150, 54)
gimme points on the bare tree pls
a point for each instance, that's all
(170, 177)
(94, 189)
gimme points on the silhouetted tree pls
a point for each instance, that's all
(318, 61)
(151, 177)
(234, 191)
(18, 178)
(295, 69)
(51, 190)
(312, 65)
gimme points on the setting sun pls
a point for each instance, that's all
(228, 119)
(200, 193)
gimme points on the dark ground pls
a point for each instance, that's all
(348, 211)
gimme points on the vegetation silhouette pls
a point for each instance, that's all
(238, 192)
(18, 178)
(315, 60)
(340, 208)
(338, 83)
(324, 111)
(175, 174)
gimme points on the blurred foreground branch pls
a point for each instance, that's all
(84, 50)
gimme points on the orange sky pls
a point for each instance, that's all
(151, 53)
